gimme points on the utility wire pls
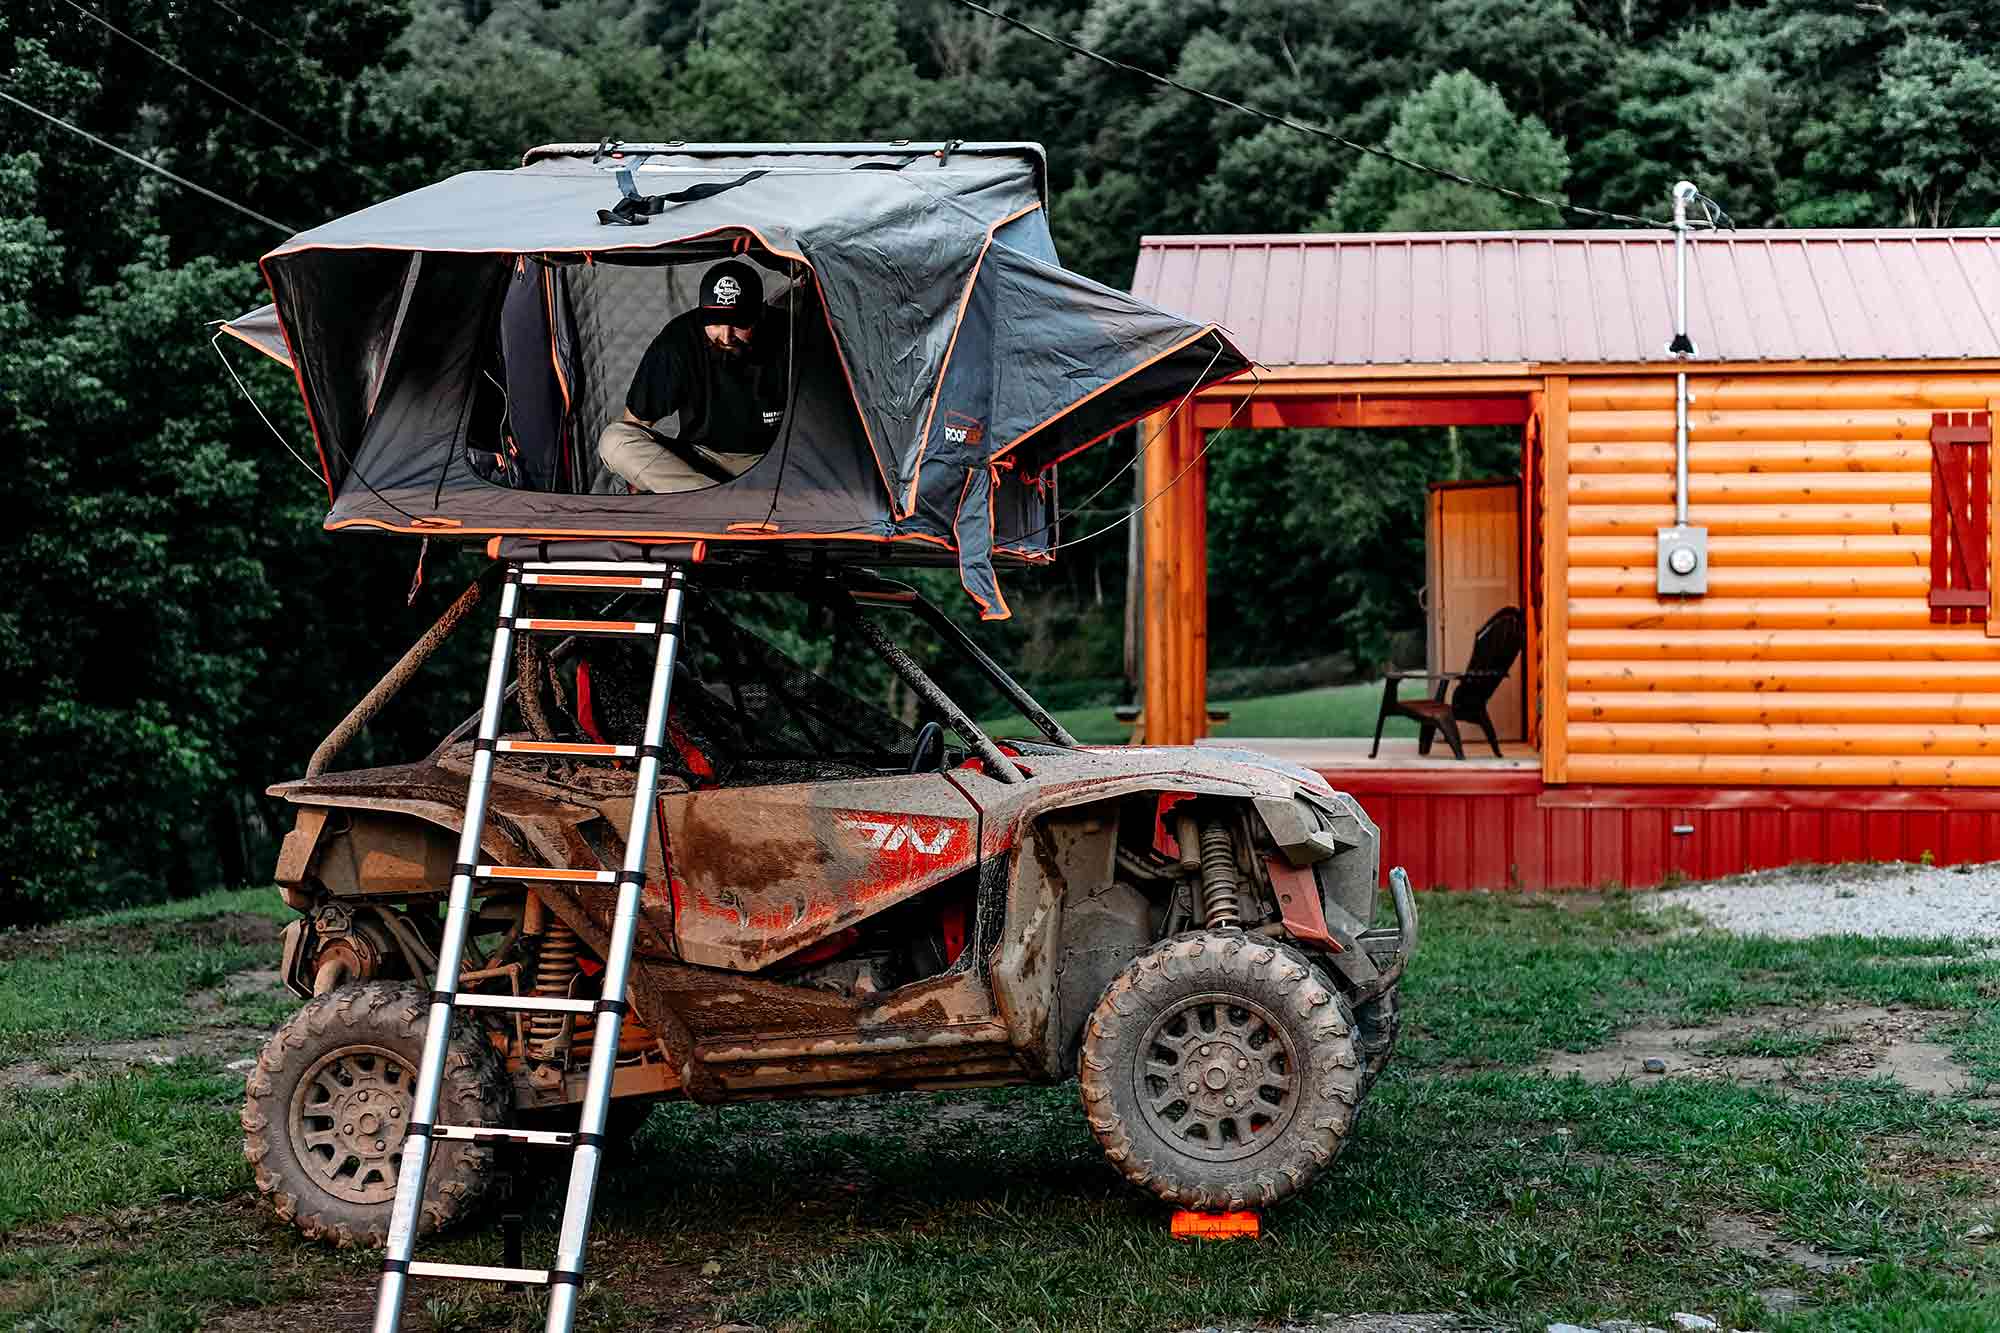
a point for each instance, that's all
(185, 72)
(154, 167)
(241, 17)
(1317, 131)
(1141, 508)
(1138, 454)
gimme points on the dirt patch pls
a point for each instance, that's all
(1760, 1240)
(900, 1115)
(253, 983)
(73, 1062)
(631, 1282)
(1967, 1182)
(1784, 1046)
(311, 1286)
(213, 1036)
(232, 928)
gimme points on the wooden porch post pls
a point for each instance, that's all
(1555, 582)
(1176, 529)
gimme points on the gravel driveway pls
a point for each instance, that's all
(1962, 902)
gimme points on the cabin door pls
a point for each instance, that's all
(1472, 545)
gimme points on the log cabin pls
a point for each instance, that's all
(1831, 695)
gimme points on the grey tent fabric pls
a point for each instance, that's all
(459, 348)
(260, 329)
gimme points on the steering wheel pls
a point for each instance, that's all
(927, 755)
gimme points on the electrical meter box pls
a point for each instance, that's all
(1682, 561)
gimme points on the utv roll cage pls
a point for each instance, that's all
(845, 591)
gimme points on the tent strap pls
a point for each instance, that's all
(634, 209)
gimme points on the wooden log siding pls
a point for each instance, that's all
(1815, 659)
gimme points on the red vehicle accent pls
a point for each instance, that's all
(692, 758)
(586, 714)
(904, 848)
(831, 947)
(952, 920)
(1299, 906)
(1164, 841)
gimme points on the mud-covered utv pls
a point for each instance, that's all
(842, 897)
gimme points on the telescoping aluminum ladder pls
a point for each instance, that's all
(565, 1279)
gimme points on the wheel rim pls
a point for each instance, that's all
(348, 1117)
(1218, 1076)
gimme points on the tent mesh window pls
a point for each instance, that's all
(744, 710)
(618, 310)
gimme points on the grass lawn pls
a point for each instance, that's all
(1332, 710)
(1471, 1183)
(130, 974)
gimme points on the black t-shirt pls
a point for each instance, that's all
(730, 402)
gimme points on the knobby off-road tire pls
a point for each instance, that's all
(1267, 1044)
(1376, 1026)
(338, 1079)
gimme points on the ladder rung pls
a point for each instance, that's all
(620, 582)
(527, 1004)
(574, 749)
(550, 873)
(548, 1138)
(613, 628)
(593, 567)
(480, 1272)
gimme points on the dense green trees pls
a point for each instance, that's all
(177, 632)
(1460, 124)
(174, 632)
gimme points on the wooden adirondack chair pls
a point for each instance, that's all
(1494, 650)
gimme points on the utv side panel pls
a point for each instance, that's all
(758, 1038)
(763, 872)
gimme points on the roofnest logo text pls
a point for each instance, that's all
(962, 429)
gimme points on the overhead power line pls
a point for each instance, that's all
(1140, 508)
(1317, 131)
(241, 17)
(153, 167)
(187, 73)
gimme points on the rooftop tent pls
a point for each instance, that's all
(460, 347)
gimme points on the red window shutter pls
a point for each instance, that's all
(1960, 511)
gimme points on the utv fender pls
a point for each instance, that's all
(1330, 834)
(1073, 925)
(1067, 919)
(362, 846)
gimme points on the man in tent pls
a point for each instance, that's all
(722, 368)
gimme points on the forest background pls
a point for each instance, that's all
(177, 632)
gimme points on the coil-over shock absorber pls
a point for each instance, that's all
(1207, 847)
(558, 961)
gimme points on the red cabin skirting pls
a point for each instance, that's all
(1505, 829)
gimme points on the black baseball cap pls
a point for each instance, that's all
(732, 293)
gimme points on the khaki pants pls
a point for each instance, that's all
(636, 457)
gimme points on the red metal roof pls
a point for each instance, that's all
(1584, 297)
